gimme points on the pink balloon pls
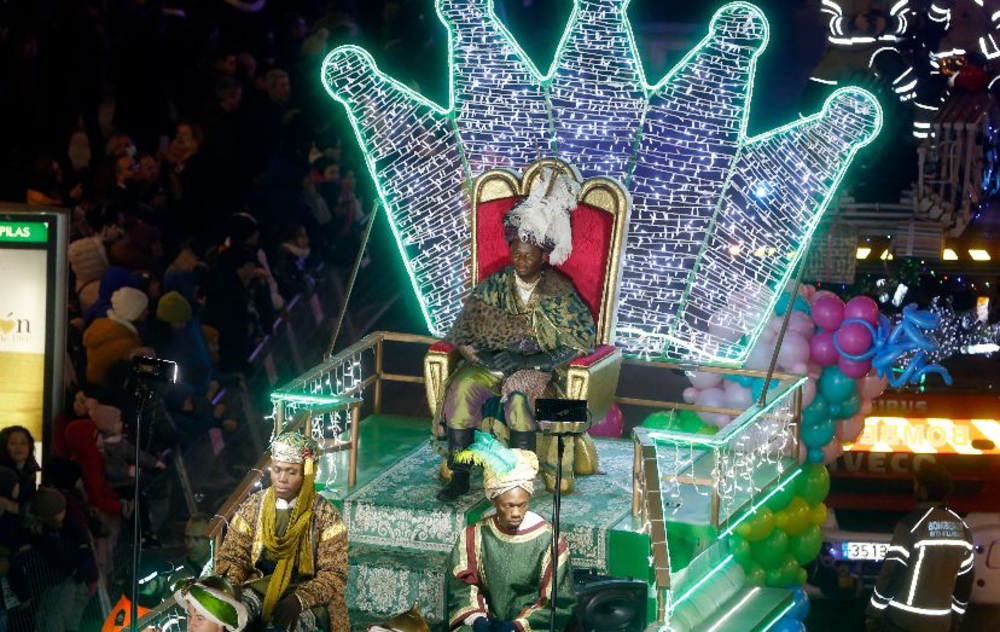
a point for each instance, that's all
(690, 394)
(800, 368)
(801, 324)
(854, 338)
(738, 397)
(806, 291)
(760, 356)
(611, 426)
(822, 350)
(854, 368)
(803, 451)
(862, 307)
(768, 335)
(850, 429)
(818, 294)
(774, 323)
(705, 379)
(832, 452)
(794, 349)
(711, 397)
(828, 312)
(866, 407)
(720, 420)
(815, 369)
(808, 392)
(871, 386)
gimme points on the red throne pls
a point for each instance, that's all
(598, 225)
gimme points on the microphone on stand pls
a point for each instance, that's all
(559, 418)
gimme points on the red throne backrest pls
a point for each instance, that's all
(586, 266)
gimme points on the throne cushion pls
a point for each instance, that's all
(586, 266)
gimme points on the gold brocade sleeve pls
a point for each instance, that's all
(329, 585)
(234, 560)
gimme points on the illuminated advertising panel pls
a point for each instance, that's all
(32, 316)
(932, 435)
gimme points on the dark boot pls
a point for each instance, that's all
(522, 440)
(458, 440)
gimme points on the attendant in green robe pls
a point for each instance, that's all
(519, 330)
(500, 570)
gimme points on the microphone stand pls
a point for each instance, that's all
(559, 431)
(144, 394)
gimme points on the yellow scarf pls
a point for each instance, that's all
(294, 546)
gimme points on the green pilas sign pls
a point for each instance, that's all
(24, 232)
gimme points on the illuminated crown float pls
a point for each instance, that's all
(718, 219)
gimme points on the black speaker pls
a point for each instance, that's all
(613, 605)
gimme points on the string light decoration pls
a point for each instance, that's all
(705, 197)
(961, 333)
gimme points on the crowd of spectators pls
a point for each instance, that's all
(214, 177)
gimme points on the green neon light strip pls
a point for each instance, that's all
(323, 400)
(781, 615)
(700, 583)
(753, 509)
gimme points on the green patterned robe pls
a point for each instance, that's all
(554, 321)
(508, 576)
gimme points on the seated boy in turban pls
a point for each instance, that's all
(518, 330)
(211, 605)
(509, 552)
(286, 548)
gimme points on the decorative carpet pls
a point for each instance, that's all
(397, 508)
(381, 583)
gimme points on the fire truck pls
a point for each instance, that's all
(872, 486)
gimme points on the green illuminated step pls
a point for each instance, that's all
(750, 609)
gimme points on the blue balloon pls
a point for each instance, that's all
(814, 455)
(816, 412)
(742, 380)
(787, 624)
(800, 604)
(799, 305)
(818, 435)
(849, 407)
(757, 387)
(835, 411)
(834, 385)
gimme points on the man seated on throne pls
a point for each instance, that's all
(518, 331)
(286, 548)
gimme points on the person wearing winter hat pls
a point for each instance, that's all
(212, 605)
(113, 279)
(519, 327)
(118, 451)
(174, 310)
(186, 341)
(48, 507)
(114, 338)
(508, 551)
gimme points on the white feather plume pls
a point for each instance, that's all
(543, 217)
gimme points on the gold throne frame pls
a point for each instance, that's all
(593, 378)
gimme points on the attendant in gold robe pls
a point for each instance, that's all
(287, 548)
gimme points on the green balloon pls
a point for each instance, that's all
(781, 498)
(770, 551)
(834, 385)
(689, 421)
(801, 576)
(814, 483)
(755, 574)
(660, 420)
(816, 412)
(805, 546)
(740, 549)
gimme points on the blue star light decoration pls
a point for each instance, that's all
(718, 219)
